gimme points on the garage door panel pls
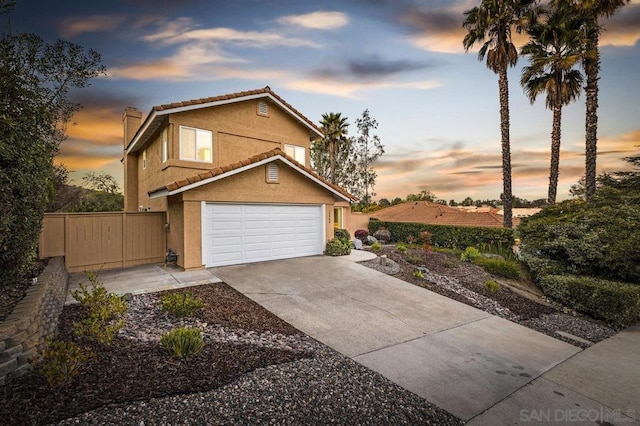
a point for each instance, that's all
(242, 233)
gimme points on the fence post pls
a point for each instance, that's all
(125, 258)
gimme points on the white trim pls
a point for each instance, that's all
(165, 192)
(203, 215)
(154, 114)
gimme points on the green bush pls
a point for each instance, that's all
(61, 361)
(492, 286)
(470, 254)
(375, 247)
(183, 304)
(341, 234)
(616, 303)
(418, 274)
(182, 342)
(414, 259)
(501, 267)
(105, 311)
(337, 247)
(455, 237)
(578, 238)
(401, 247)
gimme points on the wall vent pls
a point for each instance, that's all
(272, 173)
(263, 109)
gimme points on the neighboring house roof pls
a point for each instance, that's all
(243, 165)
(438, 214)
(155, 117)
(412, 211)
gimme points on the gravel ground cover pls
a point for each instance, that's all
(446, 274)
(255, 368)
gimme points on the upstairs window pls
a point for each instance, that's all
(298, 153)
(196, 144)
(165, 146)
(144, 159)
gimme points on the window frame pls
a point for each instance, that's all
(295, 148)
(144, 159)
(165, 145)
(196, 130)
(338, 219)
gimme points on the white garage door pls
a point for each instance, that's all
(244, 233)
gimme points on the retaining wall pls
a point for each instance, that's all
(35, 317)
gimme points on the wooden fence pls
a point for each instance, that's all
(103, 240)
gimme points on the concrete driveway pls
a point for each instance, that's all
(458, 357)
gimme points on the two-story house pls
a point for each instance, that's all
(232, 174)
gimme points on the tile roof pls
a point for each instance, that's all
(218, 171)
(265, 90)
(438, 214)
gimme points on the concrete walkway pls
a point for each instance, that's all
(475, 365)
(143, 279)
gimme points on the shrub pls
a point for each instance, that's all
(61, 361)
(492, 286)
(615, 302)
(401, 248)
(375, 247)
(579, 238)
(337, 247)
(383, 235)
(105, 311)
(501, 267)
(183, 304)
(362, 235)
(414, 259)
(341, 234)
(418, 274)
(456, 237)
(470, 254)
(182, 342)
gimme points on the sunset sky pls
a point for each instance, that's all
(436, 105)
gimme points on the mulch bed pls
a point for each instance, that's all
(469, 275)
(132, 370)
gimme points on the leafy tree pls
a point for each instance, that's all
(35, 79)
(593, 10)
(335, 129)
(384, 202)
(467, 201)
(554, 50)
(396, 201)
(101, 181)
(491, 23)
(453, 203)
(368, 148)
(424, 195)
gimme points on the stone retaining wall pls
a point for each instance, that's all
(23, 332)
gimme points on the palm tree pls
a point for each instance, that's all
(593, 10)
(334, 127)
(554, 50)
(491, 23)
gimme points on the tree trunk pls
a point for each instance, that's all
(332, 161)
(592, 69)
(503, 84)
(555, 154)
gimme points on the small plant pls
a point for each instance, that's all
(337, 247)
(418, 274)
(401, 248)
(105, 311)
(492, 286)
(470, 254)
(61, 361)
(362, 235)
(375, 247)
(182, 342)
(341, 234)
(411, 240)
(425, 236)
(501, 267)
(183, 304)
(414, 260)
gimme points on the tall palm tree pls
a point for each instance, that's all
(491, 24)
(335, 128)
(594, 10)
(554, 50)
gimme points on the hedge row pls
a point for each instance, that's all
(456, 237)
(615, 302)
